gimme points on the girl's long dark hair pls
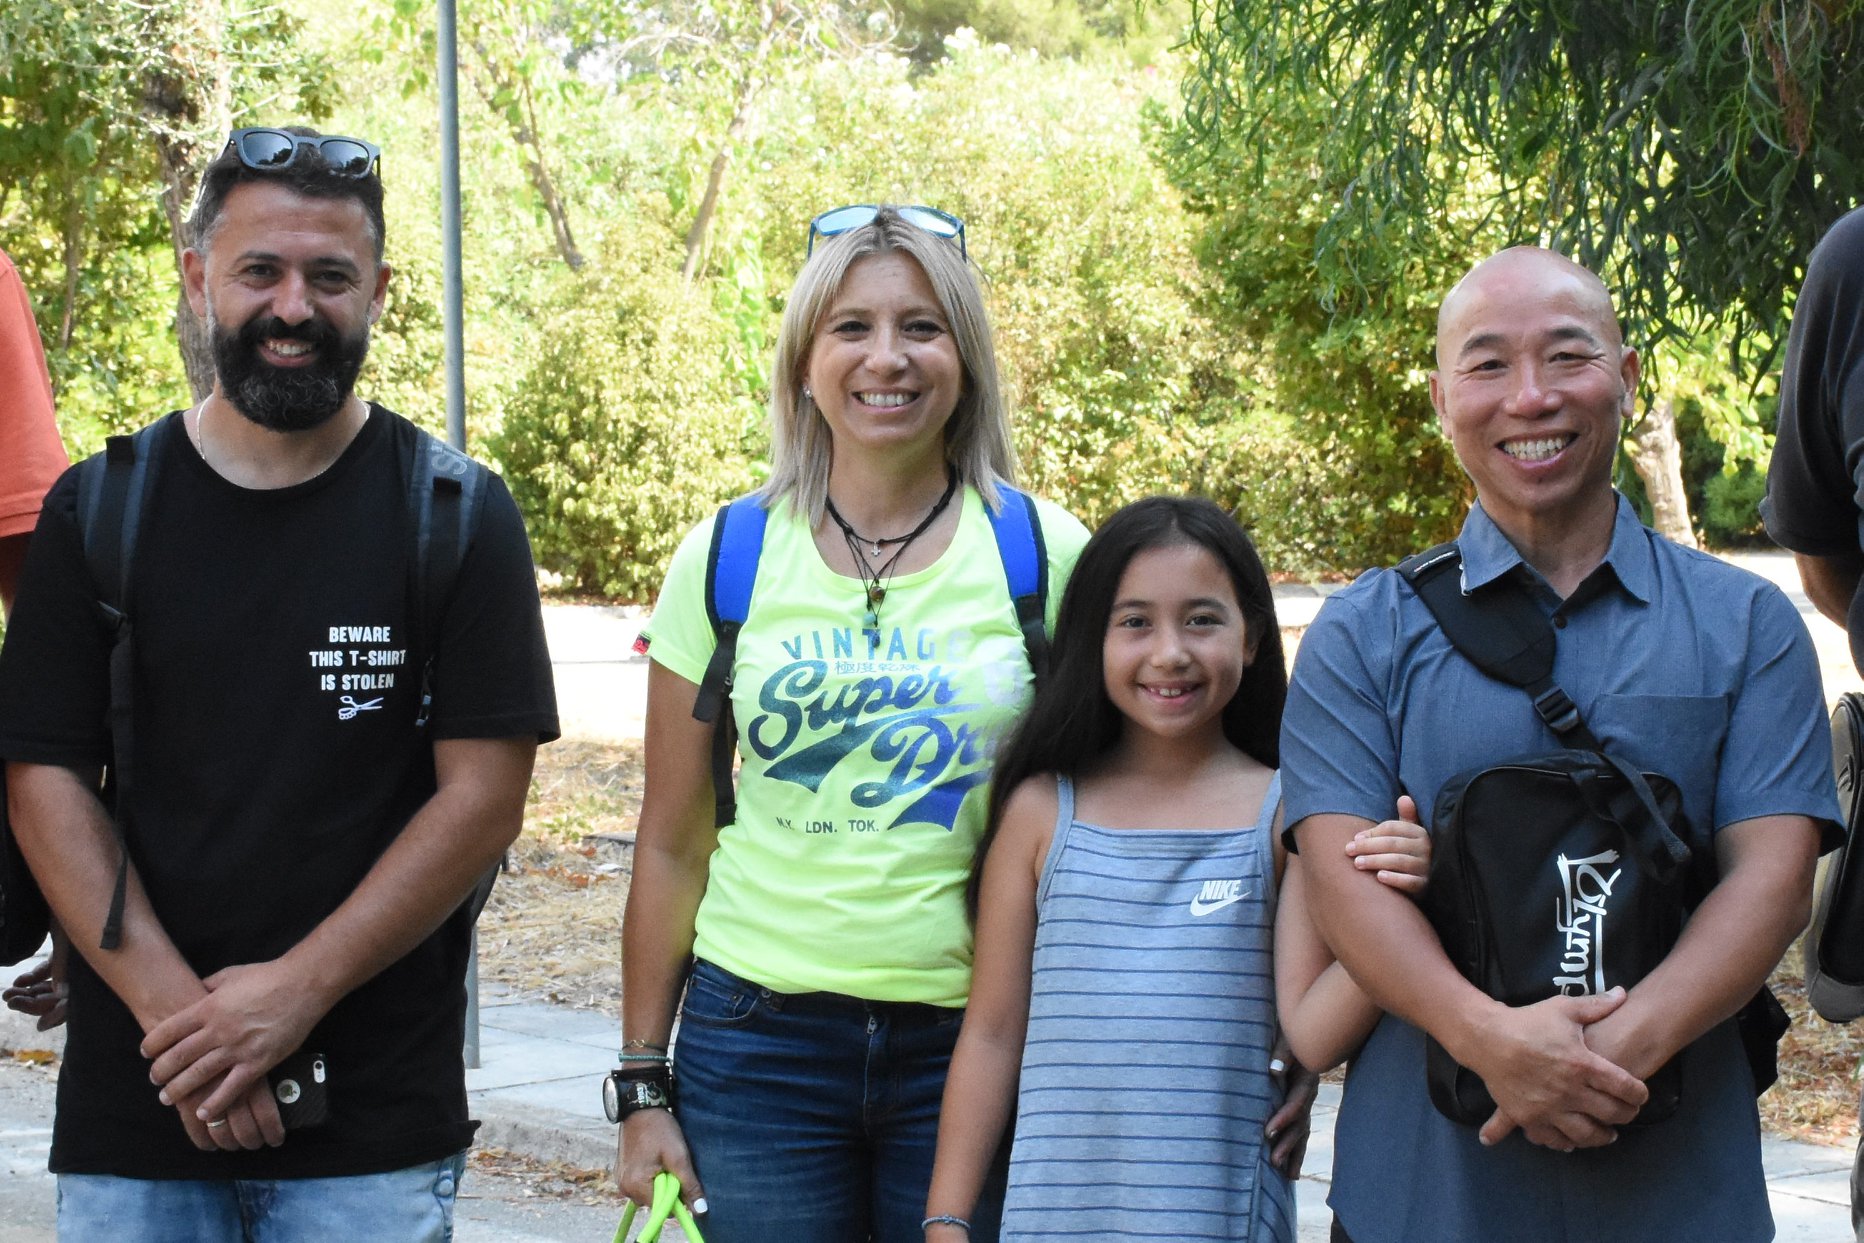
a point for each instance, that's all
(1071, 723)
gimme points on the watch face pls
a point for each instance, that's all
(611, 1098)
(621, 1097)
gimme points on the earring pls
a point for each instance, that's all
(807, 395)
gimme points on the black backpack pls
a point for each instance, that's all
(1834, 944)
(1564, 872)
(445, 491)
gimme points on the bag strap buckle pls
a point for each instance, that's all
(1559, 712)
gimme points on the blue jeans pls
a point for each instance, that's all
(814, 1116)
(414, 1205)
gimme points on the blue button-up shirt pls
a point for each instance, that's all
(1682, 664)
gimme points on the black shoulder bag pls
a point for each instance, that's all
(1561, 873)
(1834, 944)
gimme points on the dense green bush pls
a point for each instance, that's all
(1357, 473)
(625, 429)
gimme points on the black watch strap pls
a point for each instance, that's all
(622, 1096)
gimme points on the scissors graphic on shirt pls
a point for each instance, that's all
(350, 707)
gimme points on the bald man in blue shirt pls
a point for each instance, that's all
(1680, 663)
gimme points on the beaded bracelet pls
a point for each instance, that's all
(946, 1219)
(662, 1058)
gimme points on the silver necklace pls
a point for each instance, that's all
(200, 431)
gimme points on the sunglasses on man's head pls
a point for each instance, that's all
(843, 219)
(266, 150)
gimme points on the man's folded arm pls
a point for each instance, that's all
(1731, 944)
(1533, 1059)
(66, 835)
(256, 1015)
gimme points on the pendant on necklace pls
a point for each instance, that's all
(870, 620)
(875, 555)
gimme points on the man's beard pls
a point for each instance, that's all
(288, 399)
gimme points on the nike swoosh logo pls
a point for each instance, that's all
(1200, 908)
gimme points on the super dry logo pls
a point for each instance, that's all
(910, 729)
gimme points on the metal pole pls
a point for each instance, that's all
(448, 41)
(450, 223)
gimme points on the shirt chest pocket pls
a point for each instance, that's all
(1680, 736)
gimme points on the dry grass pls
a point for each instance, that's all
(551, 1179)
(553, 931)
(1816, 1098)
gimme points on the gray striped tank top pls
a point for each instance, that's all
(1145, 1083)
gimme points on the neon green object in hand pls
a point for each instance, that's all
(666, 1203)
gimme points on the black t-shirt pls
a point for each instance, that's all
(276, 755)
(1815, 485)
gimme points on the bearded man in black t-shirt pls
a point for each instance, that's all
(299, 847)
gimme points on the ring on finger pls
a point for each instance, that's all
(216, 1124)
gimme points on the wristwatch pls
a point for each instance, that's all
(622, 1096)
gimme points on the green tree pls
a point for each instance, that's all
(1360, 475)
(107, 112)
(1692, 154)
(625, 428)
(1119, 29)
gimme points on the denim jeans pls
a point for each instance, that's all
(814, 1116)
(414, 1205)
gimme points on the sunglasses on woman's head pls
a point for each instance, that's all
(266, 150)
(841, 220)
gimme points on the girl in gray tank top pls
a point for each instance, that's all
(1139, 947)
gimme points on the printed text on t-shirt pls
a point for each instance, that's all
(358, 658)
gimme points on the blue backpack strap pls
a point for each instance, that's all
(730, 574)
(114, 489)
(1018, 529)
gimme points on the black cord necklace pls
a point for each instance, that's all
(874, 578)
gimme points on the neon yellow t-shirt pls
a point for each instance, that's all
(861, 790)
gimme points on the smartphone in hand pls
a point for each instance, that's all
(300, 1085)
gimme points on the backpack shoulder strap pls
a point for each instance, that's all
(1503, 633)
(730, 575)
(114, 490)
(446, 490)
(1018, 531)
(1500, 631)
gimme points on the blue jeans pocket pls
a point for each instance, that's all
(717, 998)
